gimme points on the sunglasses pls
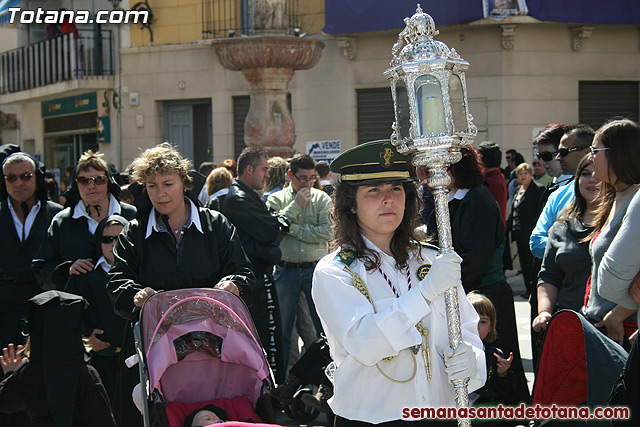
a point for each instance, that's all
(564, 152)
(108, 239)
(24, 177)
(546, 156)
(97, 180)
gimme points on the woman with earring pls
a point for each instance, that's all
(174, 244)
(68, 247)
(380, 299)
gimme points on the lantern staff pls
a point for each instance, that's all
(432, 123)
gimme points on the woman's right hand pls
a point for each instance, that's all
(141, 296)
(541, 321)
(81, 266)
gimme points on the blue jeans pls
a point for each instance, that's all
(289, 283)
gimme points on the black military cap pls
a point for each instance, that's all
(376, 162)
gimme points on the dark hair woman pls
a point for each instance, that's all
(566, 265)
(478, 234)
(374, 289)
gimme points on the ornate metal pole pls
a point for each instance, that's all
(433, 123)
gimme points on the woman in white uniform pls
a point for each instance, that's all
(380, 298)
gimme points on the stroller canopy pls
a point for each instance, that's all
(201, 344)
(578, 364)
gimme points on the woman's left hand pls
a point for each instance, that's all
(228, 285)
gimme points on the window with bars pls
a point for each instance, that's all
(600, 101)
(375, 114)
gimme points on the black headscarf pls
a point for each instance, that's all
(9, 150)
(97, 235)
(55, 331)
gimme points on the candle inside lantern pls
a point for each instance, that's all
(430, 107)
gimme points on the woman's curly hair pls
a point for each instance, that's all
(163, 159)
(346, 231)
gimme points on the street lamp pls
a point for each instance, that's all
(432, 122)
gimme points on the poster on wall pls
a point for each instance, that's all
(323, 150)
(500, 9)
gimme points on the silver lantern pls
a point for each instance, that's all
(432, 123)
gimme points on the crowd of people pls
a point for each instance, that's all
(352, 260)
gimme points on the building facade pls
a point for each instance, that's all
(167, 83)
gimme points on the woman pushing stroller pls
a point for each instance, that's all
(379, 297)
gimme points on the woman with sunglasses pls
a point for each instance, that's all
(68, 247)
(614, 247)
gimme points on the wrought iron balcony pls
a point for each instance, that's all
(67, 57)
(231, 18)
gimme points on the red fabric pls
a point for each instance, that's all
(239, 409)
(498, 188)
(562, 373)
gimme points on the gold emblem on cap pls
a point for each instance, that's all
(422, 271)
(386, 154)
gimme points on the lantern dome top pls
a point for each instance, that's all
(415, 43)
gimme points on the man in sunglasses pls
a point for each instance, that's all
(25, 214)
(307, 209)
(574, 145)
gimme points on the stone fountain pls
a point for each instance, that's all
(268, 60)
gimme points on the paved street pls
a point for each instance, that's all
(522, 315)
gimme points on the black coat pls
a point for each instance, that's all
(201, 260)
(67, 240)
(24, 390)
(524, 216)
(477, 231)
(93, 287)
(259, 230)
(17, 280)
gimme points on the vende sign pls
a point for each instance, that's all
(323, 150)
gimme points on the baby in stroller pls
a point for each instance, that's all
(206, 416)
(199, 347)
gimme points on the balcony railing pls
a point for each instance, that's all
(63, 58)
(230, 18)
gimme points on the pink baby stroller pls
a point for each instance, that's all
(199, 346)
